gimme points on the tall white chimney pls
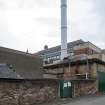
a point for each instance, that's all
(63, 29)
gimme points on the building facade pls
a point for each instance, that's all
(82, 73)
(73, 48)
(54, 53)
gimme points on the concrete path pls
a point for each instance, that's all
(88, 101)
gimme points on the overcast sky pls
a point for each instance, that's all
(33, 23)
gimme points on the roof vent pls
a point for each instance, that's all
(45, 47)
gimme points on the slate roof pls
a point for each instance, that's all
(103, 51)
(26, 65)
(6, 72)
(58, 48)
(14, 51)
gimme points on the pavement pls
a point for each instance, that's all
(86, 100)
(89, 101)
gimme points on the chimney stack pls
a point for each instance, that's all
(63, 29)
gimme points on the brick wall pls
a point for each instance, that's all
(27, 92)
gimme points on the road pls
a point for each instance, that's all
(88, 101)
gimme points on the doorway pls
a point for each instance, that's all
(65, 89)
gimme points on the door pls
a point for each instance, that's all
(65, 89)
(101, 79)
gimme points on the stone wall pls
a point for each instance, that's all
(100, 68)
(84, 88)
(27, 92)
(72, 71)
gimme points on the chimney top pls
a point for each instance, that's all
(46, 47)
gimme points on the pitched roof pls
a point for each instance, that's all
(103, 51)
(25, 64)
(6, 72)
(15, 51)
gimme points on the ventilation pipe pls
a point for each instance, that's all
(63, 29)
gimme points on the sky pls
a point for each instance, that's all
(31, 24)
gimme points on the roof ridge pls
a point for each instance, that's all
(15, 51)
(60, 45)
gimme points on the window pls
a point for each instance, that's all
(48, 58)
(71, 54)
(58, 57)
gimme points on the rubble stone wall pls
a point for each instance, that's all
(27, 92)
(101, 68)
(85, 88)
